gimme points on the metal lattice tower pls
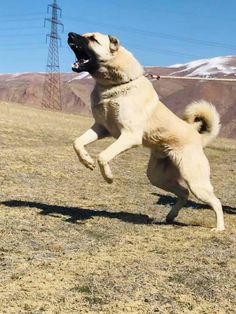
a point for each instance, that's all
(52, 84)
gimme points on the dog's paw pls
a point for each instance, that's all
(87, 162)
(218, 229)
(106, 171)
(108, 179)
(84, 157)
(170, 218)
(107, 175)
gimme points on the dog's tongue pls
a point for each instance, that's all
(75, 65)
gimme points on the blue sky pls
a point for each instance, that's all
(158, 32)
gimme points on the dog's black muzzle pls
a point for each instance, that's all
(86, 59)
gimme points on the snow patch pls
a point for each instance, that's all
(178, 65)
(15, 74)
(81, 76)
(206, 67)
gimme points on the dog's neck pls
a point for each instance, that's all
(115, 72)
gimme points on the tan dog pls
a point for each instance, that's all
(126, 106)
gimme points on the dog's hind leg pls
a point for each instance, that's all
(203, 191)
(195, 170)
(163, 174)
(182, 194)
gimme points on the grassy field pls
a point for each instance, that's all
(71, 243)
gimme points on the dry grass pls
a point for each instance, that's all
(70, 243)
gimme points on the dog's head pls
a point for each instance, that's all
(92, 50)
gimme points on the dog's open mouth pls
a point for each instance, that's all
(86, 60)
(81, 55)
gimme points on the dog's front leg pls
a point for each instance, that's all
(95, 133)
(126, 141)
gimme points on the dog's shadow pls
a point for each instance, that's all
(76, 214)
(79, 215)
(170, 200)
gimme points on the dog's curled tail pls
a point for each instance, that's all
(204, 117)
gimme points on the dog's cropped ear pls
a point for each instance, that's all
(114, 43)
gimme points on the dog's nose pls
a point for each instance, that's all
(72, 35)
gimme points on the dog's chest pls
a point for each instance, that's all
(106, 113)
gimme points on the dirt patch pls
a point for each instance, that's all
(70, 243)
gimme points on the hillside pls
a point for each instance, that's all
(70, 243)
(27, 88)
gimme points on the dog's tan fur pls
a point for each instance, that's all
(126, 106)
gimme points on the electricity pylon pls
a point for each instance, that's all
(52, 85)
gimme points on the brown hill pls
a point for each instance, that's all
(175, 93)
(27, 88)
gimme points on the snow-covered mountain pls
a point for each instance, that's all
(214, 67)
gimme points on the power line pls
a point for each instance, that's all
(155, 34)
(160, 35)
(180, 14)
(19, 15)
(22, 44)
(20, 28)
(24, 20)
(165, 51)
(20, 35)
(164, 36)
(23, 49)
(132, 30)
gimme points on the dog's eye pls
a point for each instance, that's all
(92, 38)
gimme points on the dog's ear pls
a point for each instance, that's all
(114, 43)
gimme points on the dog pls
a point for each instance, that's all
(126, 106)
